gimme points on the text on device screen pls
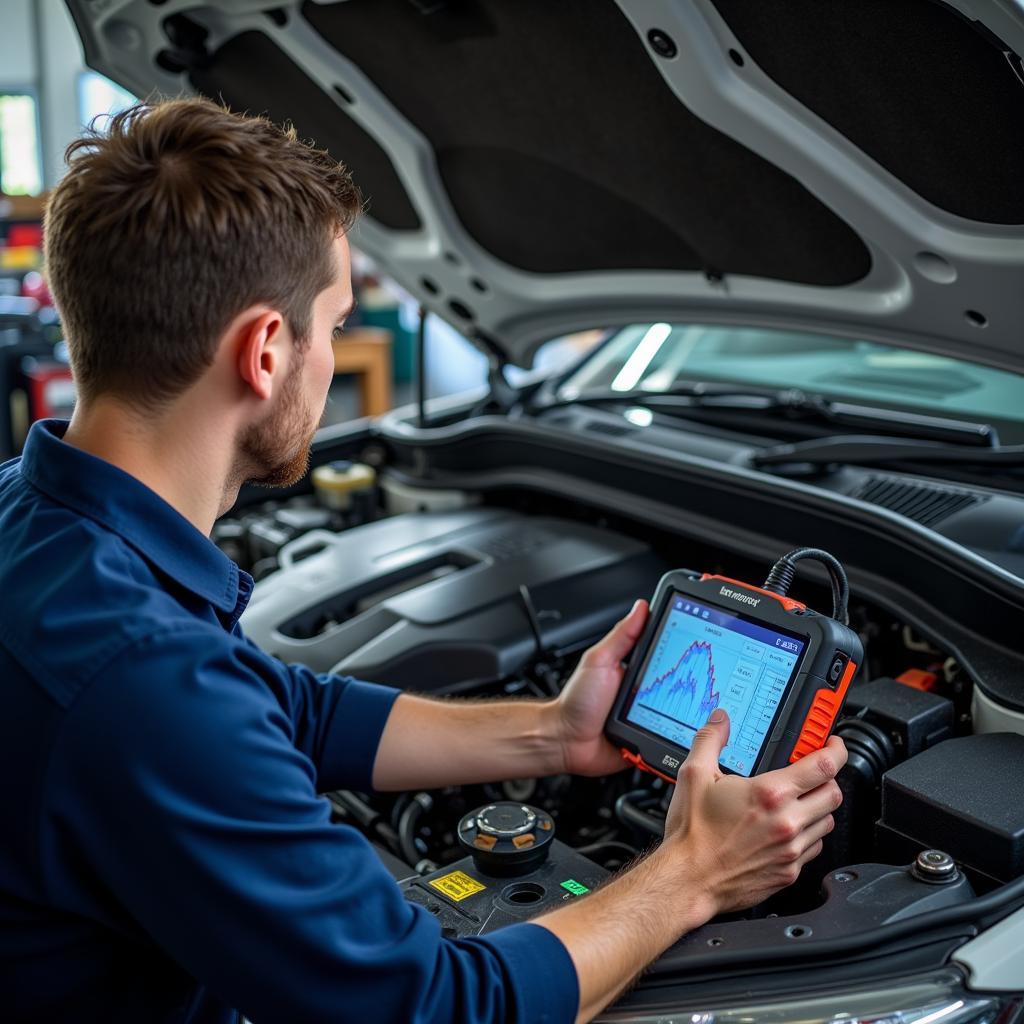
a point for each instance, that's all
(704, 659)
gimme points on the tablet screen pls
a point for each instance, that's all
(704, 658)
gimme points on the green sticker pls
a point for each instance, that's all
(574, 887)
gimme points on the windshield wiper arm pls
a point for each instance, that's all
(874, 450)
(792, 403)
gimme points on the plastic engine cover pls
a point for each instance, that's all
(432, 601)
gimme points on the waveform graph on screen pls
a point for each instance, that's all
(685, 691)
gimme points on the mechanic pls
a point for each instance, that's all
(168, 857)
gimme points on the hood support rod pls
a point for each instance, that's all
(421, 366)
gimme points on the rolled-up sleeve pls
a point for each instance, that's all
(337, 723)
(178, 784)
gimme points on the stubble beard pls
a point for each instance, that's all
(276, 453)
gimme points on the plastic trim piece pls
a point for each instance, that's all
(991, 716)
(994, 961)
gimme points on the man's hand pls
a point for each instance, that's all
(747, 838)
(729, 843)
(431, 743)
(583, 706)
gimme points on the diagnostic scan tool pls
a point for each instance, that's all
(780, 670)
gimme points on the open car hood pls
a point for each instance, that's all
(543, 166)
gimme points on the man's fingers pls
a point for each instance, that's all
(707, 744)
(816, 768)
(812, 851)
(819, 802)
(816, 832)
(620, 640)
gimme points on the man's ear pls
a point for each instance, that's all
(260, 352)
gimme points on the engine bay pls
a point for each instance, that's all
(446, 592)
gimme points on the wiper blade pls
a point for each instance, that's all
(793, 404)
(872, 450)
(700, 391)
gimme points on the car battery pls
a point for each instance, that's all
(517, 870)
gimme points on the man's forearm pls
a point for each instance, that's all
(613, 934)
(431, 743)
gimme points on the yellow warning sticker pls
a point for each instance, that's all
(457, 885)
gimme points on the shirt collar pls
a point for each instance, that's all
(127, 507)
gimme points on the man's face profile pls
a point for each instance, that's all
(279, 447)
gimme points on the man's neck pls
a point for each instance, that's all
(178, 452)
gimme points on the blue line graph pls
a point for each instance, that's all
(704, 659)
(686, 692)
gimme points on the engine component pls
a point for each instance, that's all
(991, 716)
(507, 839)
(420, 804)
(254, 540)
(434, 601)
(268, 535)
(633, 810)
(870, 752)
(469, 900)
(936, 867)
(348, 488)
(914, 719)
(966, 797)
(400, 498)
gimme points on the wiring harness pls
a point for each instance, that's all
(780, 579)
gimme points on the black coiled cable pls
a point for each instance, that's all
(780, 579)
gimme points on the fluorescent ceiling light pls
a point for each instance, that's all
(636, 365)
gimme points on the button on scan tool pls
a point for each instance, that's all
(837, 668)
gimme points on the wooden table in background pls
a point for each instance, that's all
(366, 352)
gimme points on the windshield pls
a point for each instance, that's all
(659, 356)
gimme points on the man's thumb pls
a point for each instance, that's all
(710, 738)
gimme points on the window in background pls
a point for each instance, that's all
(21, 171)
(455, 364)
(98, 96)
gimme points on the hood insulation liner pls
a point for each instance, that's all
(559, 144)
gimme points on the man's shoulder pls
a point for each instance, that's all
(79, 593)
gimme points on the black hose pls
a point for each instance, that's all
(637, 817)
(400, 804)
(352, 806)
(355, 807)
(780, 579)
(407, 823)
(608, 844)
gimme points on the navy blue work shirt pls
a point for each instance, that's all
(166, 856)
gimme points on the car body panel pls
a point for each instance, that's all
(770, 216)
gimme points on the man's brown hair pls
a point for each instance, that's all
(173, 220)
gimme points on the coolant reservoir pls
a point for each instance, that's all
(344, 486)
(991, 716)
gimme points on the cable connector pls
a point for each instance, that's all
(780, 579)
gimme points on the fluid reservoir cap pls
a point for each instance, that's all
(336, 482)
(507, 838)
(506, 819)
(936, 867)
